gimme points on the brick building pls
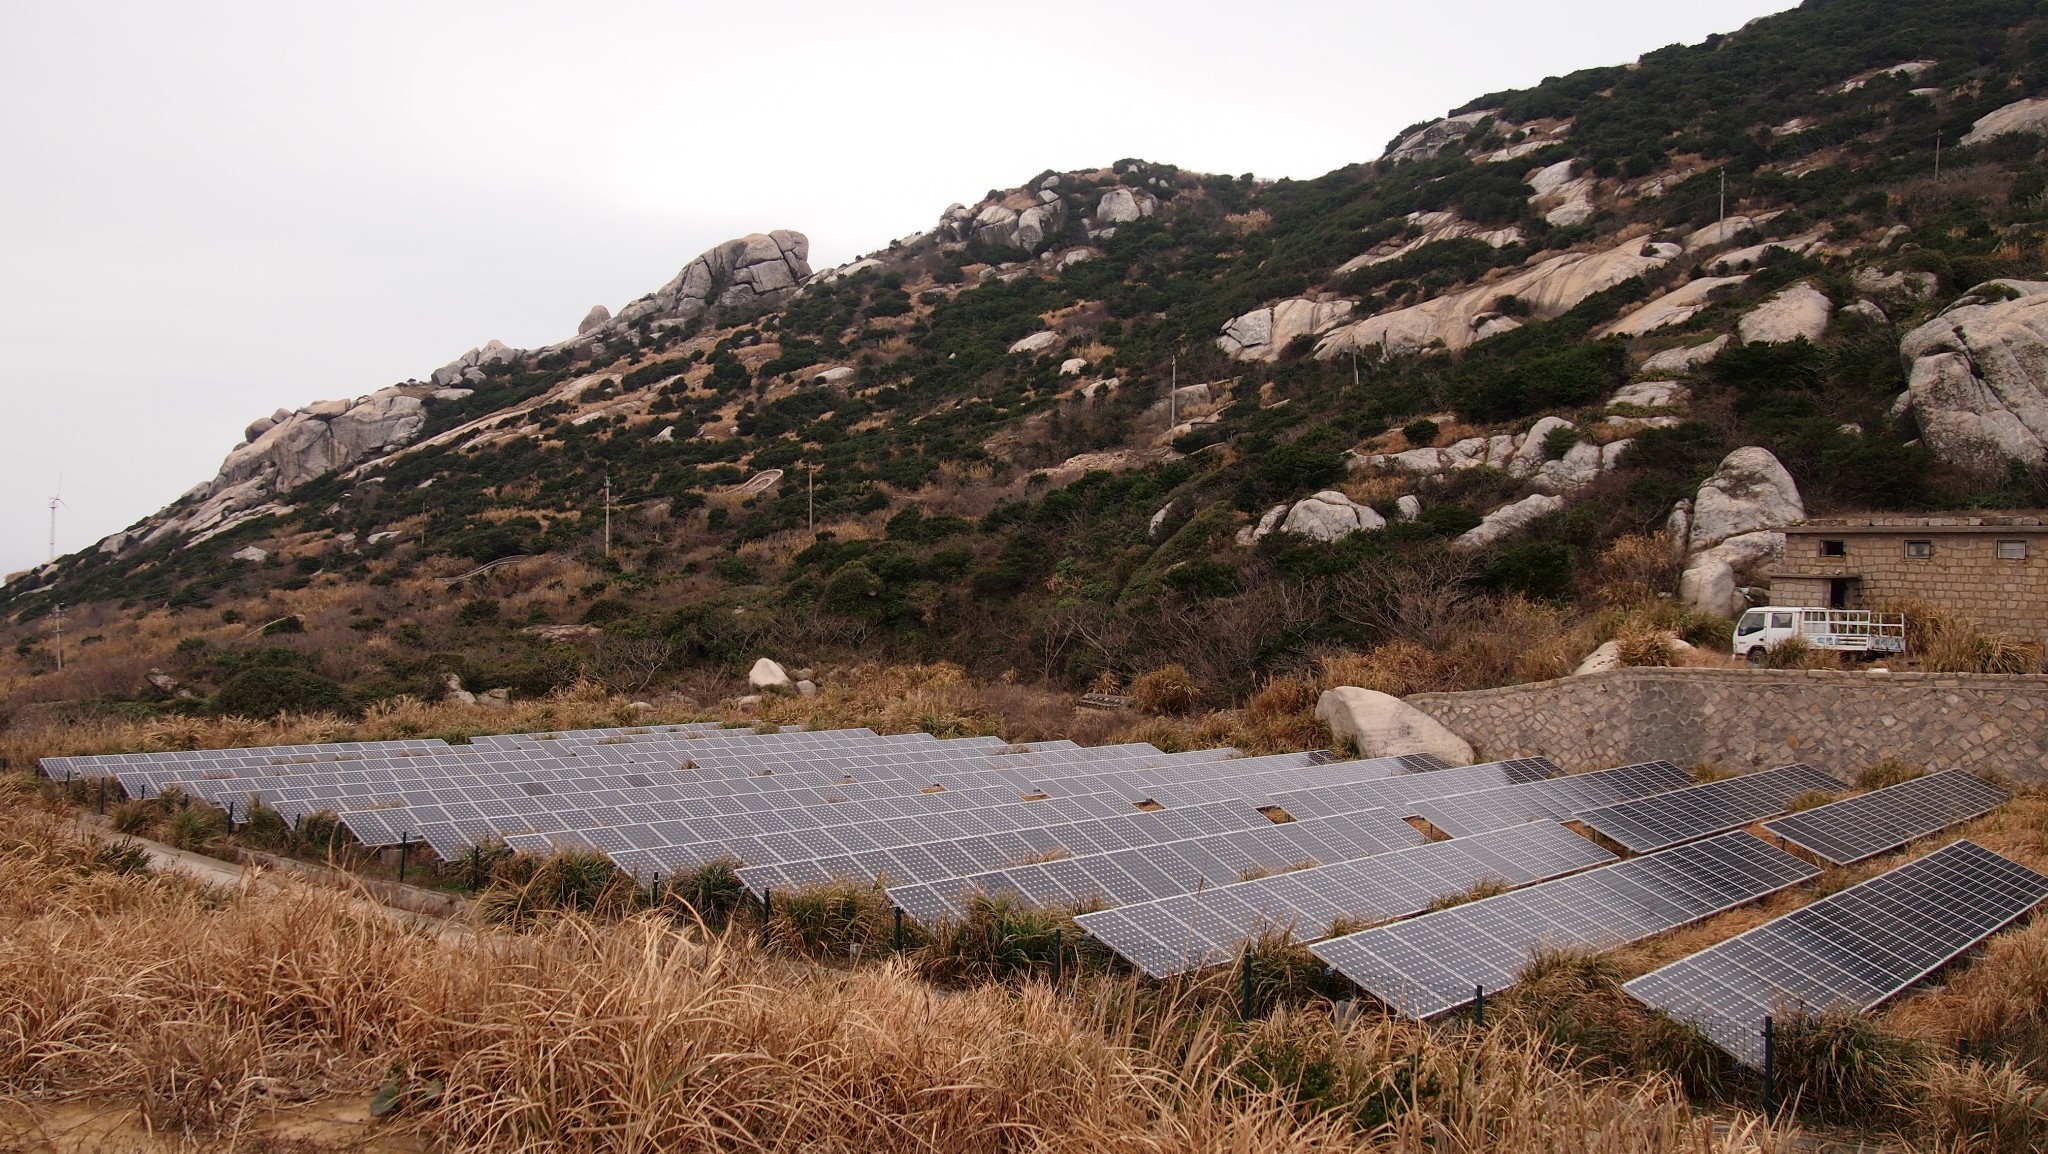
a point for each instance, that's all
(1992, 569)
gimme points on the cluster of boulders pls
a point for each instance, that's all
(1525, 455)
(769, 676)
(756, 269)
(469, 367)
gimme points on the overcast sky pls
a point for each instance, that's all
(209, 211)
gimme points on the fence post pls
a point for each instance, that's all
(1770, 1060)
(476, 867)
(1479, 1006)
(404, 844)
(898, 939)
(767, 912)
(1059, 956)
(1244, 1008)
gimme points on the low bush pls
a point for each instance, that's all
(268, 691)
(525, 888)
(1168, 690)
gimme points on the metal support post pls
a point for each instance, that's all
(404, 844)
(1059, 956)
(898, 941)
(1770, 1061)
(767, 913)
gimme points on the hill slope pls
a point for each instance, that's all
(1460, 396)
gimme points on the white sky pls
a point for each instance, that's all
(212, 210)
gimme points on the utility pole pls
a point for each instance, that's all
(57, 629)
(54, 502)
(811, 498)
(607, 515)
(1173, 395)
(1723, 237)
(1937, 155)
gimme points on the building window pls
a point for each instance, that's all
(1834, 548)
(2012, 550)
(1920, 549)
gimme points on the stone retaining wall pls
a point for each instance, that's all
(1839, 721)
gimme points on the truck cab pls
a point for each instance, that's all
(1766, 627)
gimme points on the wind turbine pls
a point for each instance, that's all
(54, 502)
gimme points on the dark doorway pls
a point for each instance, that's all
(1838, 592)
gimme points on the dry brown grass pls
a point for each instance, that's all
(202, 1009)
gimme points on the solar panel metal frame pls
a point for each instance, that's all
(1748, 976)
(1861, 827)
(1551, 799)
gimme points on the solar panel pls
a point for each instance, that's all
(1861, 827)
(1191, 930)
(1851, 950)
(1558, 797)
(1666, 819)
(1433, 963)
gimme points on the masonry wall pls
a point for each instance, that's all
(1841, 722)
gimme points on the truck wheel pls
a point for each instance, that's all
(1756, 655)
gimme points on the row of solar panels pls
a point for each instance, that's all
(545, 792)
(806, 807)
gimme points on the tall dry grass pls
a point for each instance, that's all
(202, 1009)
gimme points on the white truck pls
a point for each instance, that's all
(1845, 630)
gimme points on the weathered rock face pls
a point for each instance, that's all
(1549, 289)
(1262, 334)
(596, 318)
(1743, 259)
(1433, 227)
(1978, 382)
(1684, 360)
(2029, 116)
(1385, 726)
(1709, 587)
(1035, 343)
(1524, 455)
(768, 674)
(757, 269)
(1508, 520)
(1799, 311)
(1433, 138)
(1675, 307)
(1750, 492)
(1564, 199)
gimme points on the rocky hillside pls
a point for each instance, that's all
(1596, 340)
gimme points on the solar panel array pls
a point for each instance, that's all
(1552, 799)
(1433, 963)
(1228, 797)
(1120, 877)
(1850, 950)
(1191, 930)
(1861, 827)
(1652, 823)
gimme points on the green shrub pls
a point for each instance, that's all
(1420, 432)
(482, 611)
(267, 691)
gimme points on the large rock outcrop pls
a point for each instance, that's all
(1675, 307)
(2029, 116)
(284, 451)
(1434, 137)
(469, 366)
(1978, 377)
(1018, 221)
(1509, 520)
(1737, 520)
(1547, 289)
(1563, 199)
(756, 269)
(1331, 516)
(1382, 725)
(1800, 311)
(1262, 334)
(1429, 228)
